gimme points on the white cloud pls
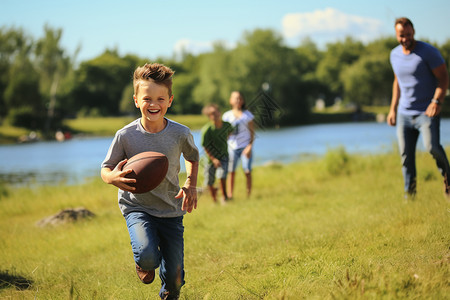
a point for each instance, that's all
(330, 24)
(193, 47)
(198, 47)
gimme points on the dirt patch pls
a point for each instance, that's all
(66, 216)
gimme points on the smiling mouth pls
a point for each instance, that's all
(154, 111)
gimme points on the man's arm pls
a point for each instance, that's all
(441, 75)
(392, 116)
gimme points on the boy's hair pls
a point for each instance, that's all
(208, 106)
(155, 72)
(404, 22)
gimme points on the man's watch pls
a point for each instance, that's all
(435, 101)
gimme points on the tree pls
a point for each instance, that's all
(100, 83)
(336, 57)
(54, 67)
(368, 81)
(15, 46)
(214, 77)
(445, 51)
(22, 96)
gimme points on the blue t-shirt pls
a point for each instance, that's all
(415, 77)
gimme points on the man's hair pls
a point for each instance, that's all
(155, 72)
(404, 22)
(208, 106)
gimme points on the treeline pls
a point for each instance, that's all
(41, 84)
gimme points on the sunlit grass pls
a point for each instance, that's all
(10, 134)
(308, 231)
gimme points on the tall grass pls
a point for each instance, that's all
(308, 231)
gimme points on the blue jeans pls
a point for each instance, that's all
(158, 242)
(408, 129)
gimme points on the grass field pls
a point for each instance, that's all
(333, 228)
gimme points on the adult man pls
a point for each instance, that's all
(418, 92)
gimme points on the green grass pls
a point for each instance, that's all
(333, 228)
(10, 134)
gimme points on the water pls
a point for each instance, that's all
(76, 160)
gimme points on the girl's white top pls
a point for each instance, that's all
(241, 135)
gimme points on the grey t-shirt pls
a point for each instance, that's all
(175, 139)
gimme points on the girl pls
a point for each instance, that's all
(240, 142)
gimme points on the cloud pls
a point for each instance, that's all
(193, 47)
(330, 24)
(197, 47)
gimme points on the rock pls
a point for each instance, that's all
(66, 216)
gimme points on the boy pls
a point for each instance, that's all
(214, 141)
(155, 219)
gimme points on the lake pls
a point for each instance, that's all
(75, 160)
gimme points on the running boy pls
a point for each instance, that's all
(155, 219)
(214, 140)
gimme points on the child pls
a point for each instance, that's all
(240, 142)
(214, 141)
(155, 219)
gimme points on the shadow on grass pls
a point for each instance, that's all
(8, 280)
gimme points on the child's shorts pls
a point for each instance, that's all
(234, 155)
(211, 172)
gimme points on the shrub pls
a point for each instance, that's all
(337, 161)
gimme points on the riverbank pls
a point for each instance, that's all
(334, 228)
(95, 126)
(107, 126)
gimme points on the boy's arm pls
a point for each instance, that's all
(117, 177)
(189, 189)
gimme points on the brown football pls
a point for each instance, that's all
(149, 169)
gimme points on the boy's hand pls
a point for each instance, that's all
(216, 162)
(189, 194)
(117, 177)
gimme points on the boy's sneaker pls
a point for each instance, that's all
(410, 196)
(146, 277)
(167, 296)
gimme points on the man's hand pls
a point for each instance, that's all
(433, 110)
(392, 118)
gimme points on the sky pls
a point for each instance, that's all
(153, 29)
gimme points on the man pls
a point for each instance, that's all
(418, 92)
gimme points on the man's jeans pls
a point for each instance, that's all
(158, 242)
(408, 129)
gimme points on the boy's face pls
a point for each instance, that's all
(153, 100)
(213, 114)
